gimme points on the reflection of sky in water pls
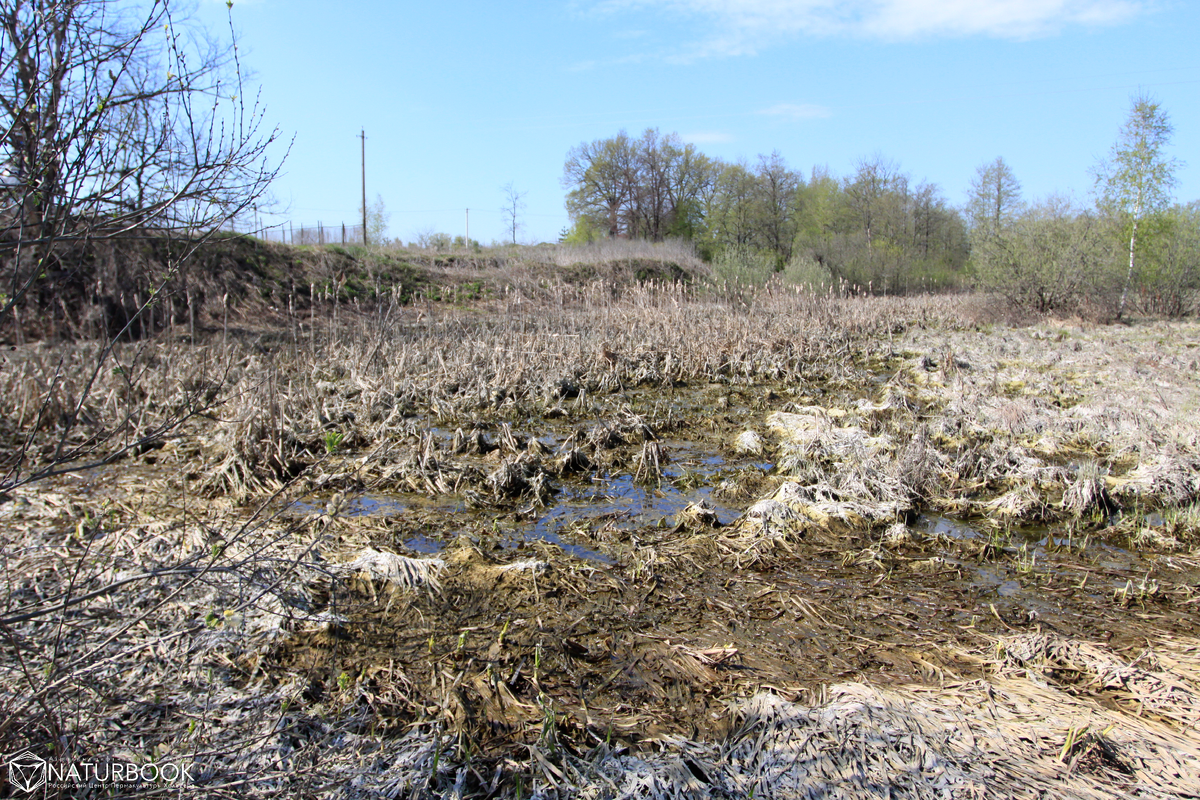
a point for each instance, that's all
(359, 506)
(627, 504)
(933, 525)
(423, 545)
(619, 500)
(516, 539)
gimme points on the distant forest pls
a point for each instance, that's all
(879, 230)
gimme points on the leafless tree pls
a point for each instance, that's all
(995, 199)
(776, 187)
(876, 180)
(119, 119)
(645, 188)
(514, 204)
(730, 212)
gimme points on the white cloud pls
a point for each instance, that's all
(747, 26)
(798, 111)
(707, 137)
(1008, 19)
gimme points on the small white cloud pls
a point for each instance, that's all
(798, 111)
(707, 137)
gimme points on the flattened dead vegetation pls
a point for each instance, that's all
(653, 544)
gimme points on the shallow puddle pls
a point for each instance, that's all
(363, 505)
(618, 500)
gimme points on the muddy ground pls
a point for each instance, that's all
(633, 623)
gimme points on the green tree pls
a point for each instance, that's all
(729, 213)
(637, 188)
(377, 222)
(601, 176)
(1170, 269)
(775, 194)
(687, 221)
(1136, 180)
(582, 231)
(871, 191)
(938, 246)
(1050, 260)
(817, 202)
(877, 229)
(690, 176)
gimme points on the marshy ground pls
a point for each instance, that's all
(640, 542)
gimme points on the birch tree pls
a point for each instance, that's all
(1136, 179)
(377, 217)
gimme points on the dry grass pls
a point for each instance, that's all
(674, 251)
(362, 380)
(1009, 736)
(144, 597)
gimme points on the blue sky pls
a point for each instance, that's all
(460, 98)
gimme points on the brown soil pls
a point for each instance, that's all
(640, 651)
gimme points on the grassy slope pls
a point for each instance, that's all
(103, 287)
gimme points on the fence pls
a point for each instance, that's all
(320, 233)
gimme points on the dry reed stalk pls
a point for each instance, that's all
(998, 738)
(748, 443)
(1087, 491)
(696, 517)
(366, 382)
(1166, 479)
(1141, 684)
(796, 511)
(650, 462)
(400, 571)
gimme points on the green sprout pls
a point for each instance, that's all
(333, 440)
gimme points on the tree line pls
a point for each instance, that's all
(877, 229)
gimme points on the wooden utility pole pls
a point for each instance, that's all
(364, 183)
